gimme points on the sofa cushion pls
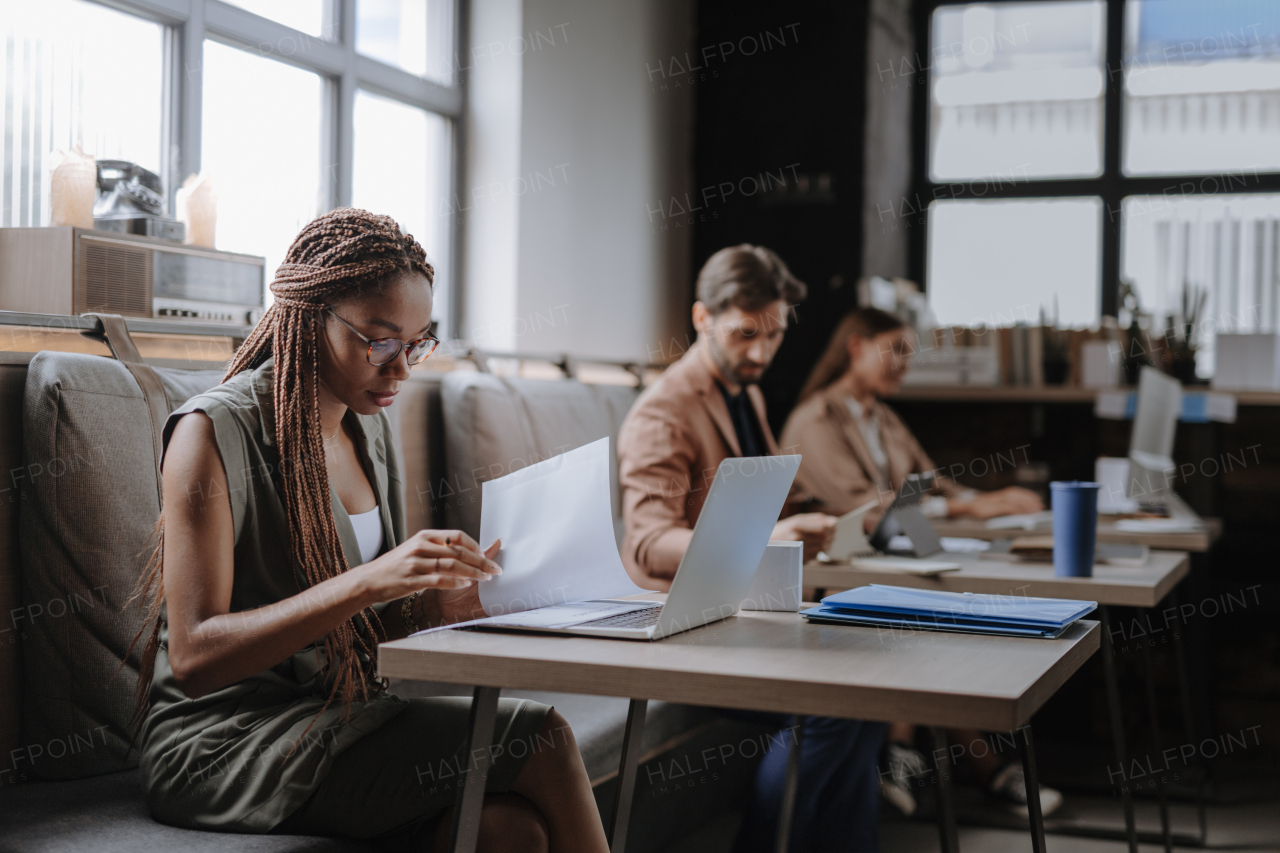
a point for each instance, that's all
(13, 378)
(107, 814)
(89, 504)
(417, 424)
(494, 426)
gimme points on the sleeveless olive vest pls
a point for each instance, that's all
(218, 762)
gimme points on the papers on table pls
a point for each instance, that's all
(1039, 549)
(1159, 525)
(1028, 521)
(558, 555)
(930, 610)
(904, 565)
(557, 535)
(961, 545)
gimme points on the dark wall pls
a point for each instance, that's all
(790, 117)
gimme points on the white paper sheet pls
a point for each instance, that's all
(1158, 525)
(557, 535)
(963, 545)
(1028, 521)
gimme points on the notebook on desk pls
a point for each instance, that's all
(931, 610)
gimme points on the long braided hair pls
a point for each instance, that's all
(340, 253)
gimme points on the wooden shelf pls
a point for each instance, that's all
(1253, 398)
(998, 393)
(1053, 394)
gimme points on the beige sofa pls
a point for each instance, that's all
(455, 430)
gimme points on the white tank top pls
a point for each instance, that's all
(368, 527)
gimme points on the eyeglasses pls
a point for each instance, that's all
(386, 350)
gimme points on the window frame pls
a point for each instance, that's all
(332, 56)
(1112, 186)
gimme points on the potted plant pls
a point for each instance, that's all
(1135, 355)
(1180, 334)
(1056, 358)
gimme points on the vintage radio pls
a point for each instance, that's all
(64, 270)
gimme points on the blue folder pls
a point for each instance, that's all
(965, 612)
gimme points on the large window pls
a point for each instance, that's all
(1017, 91)
(65, 81)
(1073, 143)
(400, 151)
(292, 108)
(261, 143)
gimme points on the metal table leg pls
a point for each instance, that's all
(788, 809)
(1033, 791)
(466, 810)
(948, 834)
(632, 740)
(1188, 718)
(1157, 742)
(1117, 723)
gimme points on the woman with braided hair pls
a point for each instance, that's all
(282, 562)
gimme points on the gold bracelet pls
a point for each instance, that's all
(406, 612)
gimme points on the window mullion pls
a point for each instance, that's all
(191, 92)
(344, 108)
(1113, 134)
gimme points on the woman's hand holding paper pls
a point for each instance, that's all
(446, 560)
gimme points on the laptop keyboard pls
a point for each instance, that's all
(633, 619)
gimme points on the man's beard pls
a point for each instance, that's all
(730, 371)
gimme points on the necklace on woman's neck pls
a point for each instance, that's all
(330, 439)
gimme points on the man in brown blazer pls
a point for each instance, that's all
(707, 408)
(704, 409)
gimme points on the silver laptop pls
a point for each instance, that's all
(720, 563)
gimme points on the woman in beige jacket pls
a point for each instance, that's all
(855, 448)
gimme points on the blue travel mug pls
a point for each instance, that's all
(1075, 527)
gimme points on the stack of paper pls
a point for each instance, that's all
(964, 612)
(1039, 549)
(558, 555)
(1028, 521)
(1159, 525)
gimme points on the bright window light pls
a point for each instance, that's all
(415, 35)
(261, 148)
(65, 80)
(996, 263)
(401, 167)
(1017, 90)
(306, 16)
(1202, 87)
(1225, 245)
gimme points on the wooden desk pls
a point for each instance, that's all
(759, 660)
(973, 528)
(1126, 586)
(1129, 586)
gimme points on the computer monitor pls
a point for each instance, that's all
(1155, 420)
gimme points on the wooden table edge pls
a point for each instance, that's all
(995, 713)
(836, 577)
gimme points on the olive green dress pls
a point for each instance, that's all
(219, 761)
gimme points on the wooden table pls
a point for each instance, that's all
(1124, 586)
(1199, 541)
(1129, 586)
(757, 660)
